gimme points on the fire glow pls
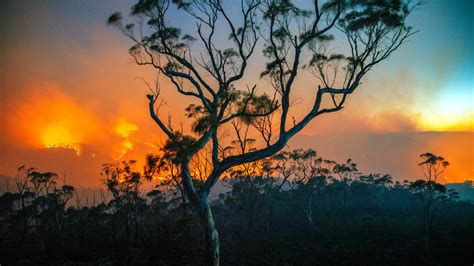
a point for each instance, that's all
(57, 136)
(124, 129)
(52, 119)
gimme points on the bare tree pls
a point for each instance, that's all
(211, 73)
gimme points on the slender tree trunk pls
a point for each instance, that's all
(309, 213)
(427, 237)
(200, 202)
(211, 236)
(183, 197)
(426, 225)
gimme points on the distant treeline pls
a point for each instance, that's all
(292, 209)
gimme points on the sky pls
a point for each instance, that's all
(71, 98)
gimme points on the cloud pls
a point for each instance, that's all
(346, 122)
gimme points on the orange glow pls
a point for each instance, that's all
(124, 129)
(51, 119)
(88, 103)
(58, 136)
(437, 123)
(459, 152)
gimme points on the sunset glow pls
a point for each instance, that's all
(449, 112)
(442, 122)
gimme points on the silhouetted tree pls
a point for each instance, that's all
(373, 31)
(428, 190)
(123, 182)
(38, 208)
(165, 172)
(263, 217)
(304, 175)
(251, 191)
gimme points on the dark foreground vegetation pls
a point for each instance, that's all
(293, 209)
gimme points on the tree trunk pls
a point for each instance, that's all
(426, 224)
(427, 238)
(211, 236)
